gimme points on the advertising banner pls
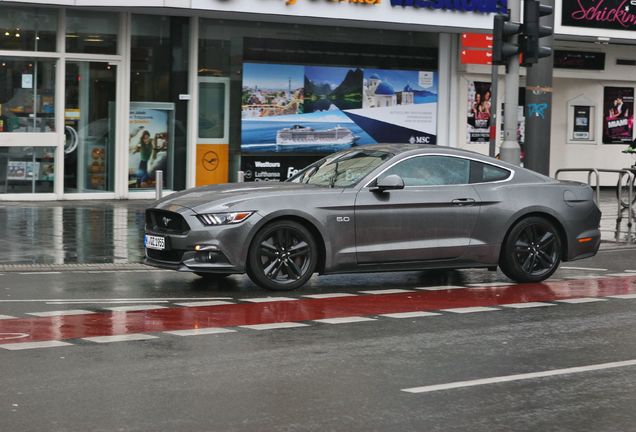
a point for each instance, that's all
(603, 14)
(618, 115)
(274, 168)
(478, 122)
(150, 144)
(315, 109)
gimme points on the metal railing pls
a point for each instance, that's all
(619, 185)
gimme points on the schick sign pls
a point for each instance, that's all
(483, 6)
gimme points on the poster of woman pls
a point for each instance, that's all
(149, 145)
(478, 110)
(618, 115)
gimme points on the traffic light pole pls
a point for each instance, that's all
(510, 151)
(539, 107)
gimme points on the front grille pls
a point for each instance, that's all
(162, 221)
(165, 255)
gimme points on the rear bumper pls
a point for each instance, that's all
(584, 245)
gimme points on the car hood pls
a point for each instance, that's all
(228, 195)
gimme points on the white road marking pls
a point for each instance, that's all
(526, 305)
(623, 296)
(621, 274)
(201, 331)
(410, 314)
(61, 303)
(124, 300)
(11, 336)
(134, 308)
(386, 291)
(40, 273)
(273, 326)
(441, 288)
(6, 317)
(329, 295)
(204, 303)
(519, 377)
(630, 271)
(490, 284)
(268, 299)
(61, 313)
(34, 345)
(581, 300)
(585, 277)
(583, 268)
(120, 338)
(344, 320)
(471, 309)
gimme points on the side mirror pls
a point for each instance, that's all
(390, 182)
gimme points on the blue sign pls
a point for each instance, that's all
(483, 6)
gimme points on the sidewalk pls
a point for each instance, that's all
(98, 234)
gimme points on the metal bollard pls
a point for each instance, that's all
(158, 184)
(240, 176)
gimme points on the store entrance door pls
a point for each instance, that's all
(89, 117)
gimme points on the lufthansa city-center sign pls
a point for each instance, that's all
(485, 6)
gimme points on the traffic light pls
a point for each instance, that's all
(533, 31)
(503, 44)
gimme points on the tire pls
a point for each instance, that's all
(622, 194)
(532, 250)
(282, 256)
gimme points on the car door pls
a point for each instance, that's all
(432, 218)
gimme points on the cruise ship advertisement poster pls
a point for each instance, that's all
(322, 109)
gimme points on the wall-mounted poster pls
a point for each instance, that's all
(618, 115)
(150, 150)
(581, 124)
(478, 108)
(315, 109)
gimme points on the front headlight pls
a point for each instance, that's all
(210, 219)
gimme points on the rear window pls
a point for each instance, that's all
(485, 173)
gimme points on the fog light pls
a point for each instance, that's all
(207, 257)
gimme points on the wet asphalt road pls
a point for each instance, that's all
(321, 376)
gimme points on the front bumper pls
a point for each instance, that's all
(200, 248)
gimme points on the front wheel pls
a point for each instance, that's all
(282, 256)
(532, 251)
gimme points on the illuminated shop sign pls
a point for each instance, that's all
(485, 6)
(606, 14)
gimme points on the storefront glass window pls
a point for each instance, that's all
(27, 169)
(158, 119)
(91, 33)
(27, 29)
(27, 97)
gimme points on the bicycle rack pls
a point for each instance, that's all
(621, 174)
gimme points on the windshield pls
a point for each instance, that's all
(341, 169)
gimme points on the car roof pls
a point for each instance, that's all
(423, 148)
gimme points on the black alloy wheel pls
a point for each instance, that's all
(532, 251)
(282, 256)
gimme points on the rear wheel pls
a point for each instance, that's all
(282, 256)
(532, 251)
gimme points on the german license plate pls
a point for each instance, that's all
(154, 242)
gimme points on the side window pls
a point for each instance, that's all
(483, 173)
(432, 170)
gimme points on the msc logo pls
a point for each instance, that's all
(420, 140)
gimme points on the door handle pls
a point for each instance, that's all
(462, 202)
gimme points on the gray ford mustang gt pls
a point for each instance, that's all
(378, 207)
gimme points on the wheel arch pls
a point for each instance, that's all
(545, 214)
(304, 220)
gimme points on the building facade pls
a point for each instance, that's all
(97, 96)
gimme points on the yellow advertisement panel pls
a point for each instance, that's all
(212, 164)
